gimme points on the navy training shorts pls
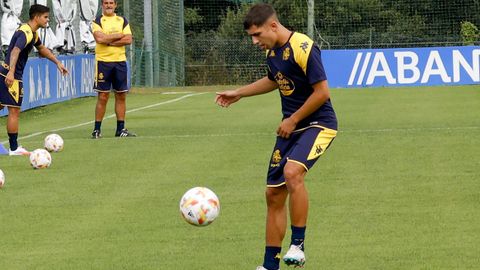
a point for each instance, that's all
(303, 147)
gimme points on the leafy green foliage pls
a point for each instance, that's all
(192, 17)
(469, 33)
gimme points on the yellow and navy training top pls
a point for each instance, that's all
(24, 39)
(295, 67)
(111, 25)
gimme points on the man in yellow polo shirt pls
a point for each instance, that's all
(112, 33)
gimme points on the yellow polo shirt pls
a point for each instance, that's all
(111, 25)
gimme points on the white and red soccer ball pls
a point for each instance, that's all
(2, 179)
(53, 143)
(40, 158)
(199, 206)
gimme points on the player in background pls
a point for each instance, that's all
(11, 71)
(308, 127)
(112, 33)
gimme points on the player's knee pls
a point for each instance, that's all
(120, 96)
(13, 112)
(275, 196)
(292, 174)
(294, 185)
(293, 178)
(103, 97)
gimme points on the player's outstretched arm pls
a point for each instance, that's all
(45, 52)
(262, 86)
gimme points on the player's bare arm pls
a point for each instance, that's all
(320, 95)
(45, 52)
(103, 38)
(13, 63)
(262, 86)
(125, 40)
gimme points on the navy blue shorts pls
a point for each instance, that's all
(303, 147)
(13, 96)
(111, 75)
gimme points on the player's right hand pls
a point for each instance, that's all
(226, 98)
(9, 79)
(62, 69)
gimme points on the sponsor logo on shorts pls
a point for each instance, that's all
(276, 158)
(318, 149)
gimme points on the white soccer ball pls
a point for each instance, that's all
(2, 179)
(53, 143)
(199, 206)
(40, 158)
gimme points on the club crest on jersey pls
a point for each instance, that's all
(285, 85)
(272, 53)
(286, 54)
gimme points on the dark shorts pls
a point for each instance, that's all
(13, 96)
(111, 75)
(303, 147)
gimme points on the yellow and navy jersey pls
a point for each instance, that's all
(24, 39)
(295, 67)
(111, 25)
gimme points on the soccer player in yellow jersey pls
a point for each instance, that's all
(11, 71)
(112, 33)
(307, 129)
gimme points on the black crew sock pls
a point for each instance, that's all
(298, 236)
(12, 139)
(271, 261)
(120, 126)
(98, 124)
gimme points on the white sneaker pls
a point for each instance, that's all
(261, 268)
(20, 151)
(294, 256)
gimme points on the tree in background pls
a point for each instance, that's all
(215, 37)
(469, 33)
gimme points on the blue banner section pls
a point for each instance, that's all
(43, 84)
(402, 67)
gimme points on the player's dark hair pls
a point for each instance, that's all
(36, 10)
(258, 15)
(113, 1)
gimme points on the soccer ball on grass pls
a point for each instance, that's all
(53, 143)
(199, 206)
(2, 179)
(40, 158)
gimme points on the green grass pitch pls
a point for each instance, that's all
(398, 189)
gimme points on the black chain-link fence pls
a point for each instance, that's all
(219, 51)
